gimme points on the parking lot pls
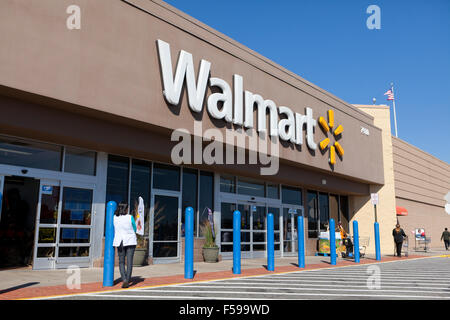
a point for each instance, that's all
(422, 279)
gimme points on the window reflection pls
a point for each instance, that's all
(26, 153)
(77, 206)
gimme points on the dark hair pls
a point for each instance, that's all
(122, 209)
(445, 228)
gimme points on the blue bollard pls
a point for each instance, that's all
(301, 242)
(236, 242)
(377, 241)
(108, 259)
(189, 243)
(332, 242)
(356, 241)
(270, 243)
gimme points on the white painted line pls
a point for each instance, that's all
(446, 273)
(159, 297)
(305, 286)
(342, 289)
(293, 294)
(328, 281)
(418, 279)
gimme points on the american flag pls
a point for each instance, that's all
(390, 94)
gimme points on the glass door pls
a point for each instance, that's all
(2, 182)
(47, 225)
(290, 229)
(165, 222)
(75, 225)
(276, 227)
(63, 225)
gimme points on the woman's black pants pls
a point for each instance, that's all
(399, 248)
(127, 251)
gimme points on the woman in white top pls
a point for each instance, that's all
(124, 241)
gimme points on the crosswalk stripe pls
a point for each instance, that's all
(304, 286)
(304, 289)
(294, 294)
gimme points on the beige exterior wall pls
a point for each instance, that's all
(361, 208)
(110, 70)
(421, 182)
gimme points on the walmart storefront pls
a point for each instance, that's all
(89, 116)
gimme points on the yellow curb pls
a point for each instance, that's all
(220, 279)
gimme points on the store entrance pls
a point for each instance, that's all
(17, 221)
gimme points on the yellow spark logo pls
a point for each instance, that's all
(337, 132)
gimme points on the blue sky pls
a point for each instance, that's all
(328, 43)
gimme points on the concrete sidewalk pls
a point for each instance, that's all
(27, 283)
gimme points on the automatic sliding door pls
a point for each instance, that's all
(246, 235)
(74, 241)
(259, 229)
(46, 238)
(290, 229)
(276, 226)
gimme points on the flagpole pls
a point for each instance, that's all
(393, 105)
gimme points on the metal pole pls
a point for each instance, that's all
(301, 242)
(270, 243)
(393, 105)
(332, 243)
(375, 207)
(189, 244)
(108, 259)
(356, 241)
(236, 242)
(377, 241)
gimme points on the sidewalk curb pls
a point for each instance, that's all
(96, 287)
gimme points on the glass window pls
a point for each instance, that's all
(291, 195)
(189, 199)
(312, 214)
(226, 217)
(80, 161)
(251, 188)
(74, 235)
(45, 252)
(24, 153)
(344, 214)
(334, 208)
(140, 187)
(49, 204)
(47, 235)
(227, 184)
(166, 177)
(273, 191)
(165, 218)
(276, 217)
(246, 211)
(165, 249)
(324, 212)
(117, 180)
(77, 206)
(206, 196)
(66, 252)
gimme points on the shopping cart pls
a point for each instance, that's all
(405, 247)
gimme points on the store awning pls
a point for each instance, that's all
(401, 211)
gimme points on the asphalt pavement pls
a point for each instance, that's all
(412, 279)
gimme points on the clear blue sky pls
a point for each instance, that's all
(328, 43)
